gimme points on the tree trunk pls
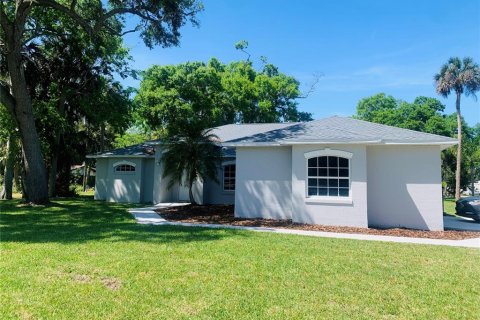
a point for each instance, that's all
(16, 177)
(459, 149)
(102, 137)
(52, 178)
(52, 175)
(24, 190)
(190, 194)
(84, 180)
(8, 176)
(35, 172)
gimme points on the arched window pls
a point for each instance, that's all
(328, 173)
(124, 167)
(229, 177)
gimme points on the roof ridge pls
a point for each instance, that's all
(258, 123)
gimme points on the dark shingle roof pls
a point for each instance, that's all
(137, 150)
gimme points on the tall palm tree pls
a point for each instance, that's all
(191, 155)
(460, 76)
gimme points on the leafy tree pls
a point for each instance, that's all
(462, 77)
(8, 152)
(242, 45)
(132, 136)
(449, 156)
(190, 155)
(473, 157)
(175, 96)
(470, 172)
(64, 71)
(25, 20)
(213, 94)
(378, 108)
(426, 114)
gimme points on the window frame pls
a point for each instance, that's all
(224, 165)
(124, 163)
(327, 152)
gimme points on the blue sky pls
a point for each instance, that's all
(360, 47)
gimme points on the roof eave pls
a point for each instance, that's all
(443, 144)
(93, 156)
(287, 143)
(154, 143)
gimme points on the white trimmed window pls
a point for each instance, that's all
(328, 173)
(229, 177)
(124, 167)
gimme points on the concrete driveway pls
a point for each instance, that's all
(459, 223)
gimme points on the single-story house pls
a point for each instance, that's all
(336, 171)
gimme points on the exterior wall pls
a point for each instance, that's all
(118, 187)
(334, 211)
(263, 182)
(179, 193)
(147, 180)
(161, 192)
(404, 187)
(213, 191)
(198, 187)
(101, 179)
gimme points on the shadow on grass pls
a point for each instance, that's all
(82, 219)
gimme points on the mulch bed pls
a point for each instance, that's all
(223, 214)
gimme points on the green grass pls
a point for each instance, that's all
(449, 206)
(80, 259)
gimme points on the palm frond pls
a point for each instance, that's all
(191, 155)
(461, 76)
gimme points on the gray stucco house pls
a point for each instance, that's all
(335, 171)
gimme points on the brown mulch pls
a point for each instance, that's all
(223, 214)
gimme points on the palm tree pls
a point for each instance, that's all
(461, 77)
(191, 155)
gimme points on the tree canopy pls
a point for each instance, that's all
(211, 94)
(33, 29)
(427, 115)
(462, 77)
(424, 114)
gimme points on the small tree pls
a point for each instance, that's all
(460, 76)
(189, 155)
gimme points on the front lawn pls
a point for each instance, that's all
(449, 206)
(80, 259)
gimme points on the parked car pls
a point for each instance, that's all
(469, 207)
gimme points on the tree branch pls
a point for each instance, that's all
(73, 4)
(118, 11)
(5, 22)
(99, 23)
(68, 11)
(6, 98)
(313, 86)
(128, 31)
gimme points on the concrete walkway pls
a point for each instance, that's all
(148, 216)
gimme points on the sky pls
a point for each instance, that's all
(359, 47)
